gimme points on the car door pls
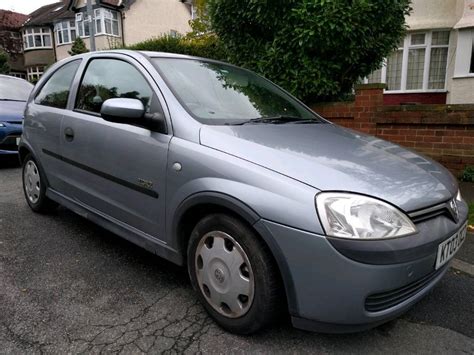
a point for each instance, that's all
(43, 117)
(117, 170)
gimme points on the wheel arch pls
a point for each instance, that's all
(195, 207)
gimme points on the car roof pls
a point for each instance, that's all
(2, 76)
(145, 54)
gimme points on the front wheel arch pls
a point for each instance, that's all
(199, 205)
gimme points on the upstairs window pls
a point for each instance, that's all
(65, 32)
(105, 21)
(37, 37)
(419, 64)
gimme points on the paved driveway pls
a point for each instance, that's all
(67, 285)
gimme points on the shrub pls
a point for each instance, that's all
(4, 66)
(468, 174)
(207, 46)
(78, 47)
(317, 49)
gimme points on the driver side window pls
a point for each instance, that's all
(112, 78)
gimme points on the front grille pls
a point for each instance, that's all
(384, 300)
(9, 143)
(430, 212)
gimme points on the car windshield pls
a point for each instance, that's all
(12, 89)
(216, 93)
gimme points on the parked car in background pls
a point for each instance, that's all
(269, 205)
(14, 93)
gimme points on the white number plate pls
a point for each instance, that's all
(450, 246)
(17, 141)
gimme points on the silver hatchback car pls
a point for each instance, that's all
(270, 206)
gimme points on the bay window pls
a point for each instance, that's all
(65, 32)
(419, 64)
(105, 21)
(37, 37)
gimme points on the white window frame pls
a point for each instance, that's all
(43, 32)
(100, 14)
(426, 69)
(34, 73)
(60, 27)
(81, 26)
(464, 54)
(18, 75)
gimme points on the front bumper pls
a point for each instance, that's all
(329, 292)
(8, 136)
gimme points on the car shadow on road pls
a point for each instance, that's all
(9, 162)
(138, 259)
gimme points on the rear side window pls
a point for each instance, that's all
(108, 79)
(56, 90)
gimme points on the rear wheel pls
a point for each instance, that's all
(233, 273)
(34, 187)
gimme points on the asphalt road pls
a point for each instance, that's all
(68, 286)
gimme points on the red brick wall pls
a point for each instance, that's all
(443, 132)
(421, 98)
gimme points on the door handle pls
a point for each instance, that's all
(69, 134)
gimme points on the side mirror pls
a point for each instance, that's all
(121, 110)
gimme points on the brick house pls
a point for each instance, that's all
(434, 64)
(10, 40)
(50, 30)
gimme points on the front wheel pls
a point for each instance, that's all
(234, 274)
(34, 187)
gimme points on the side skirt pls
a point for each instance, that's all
(115, 226)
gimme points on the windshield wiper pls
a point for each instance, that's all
(12, 100)
(280, 119)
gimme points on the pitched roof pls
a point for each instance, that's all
(10, 20)
(114, 3)
(49, 13)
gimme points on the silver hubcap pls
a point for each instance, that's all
(224, 274)
(31, 180)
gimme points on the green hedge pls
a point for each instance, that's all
(207, 46)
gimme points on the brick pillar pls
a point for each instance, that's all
(367, 105)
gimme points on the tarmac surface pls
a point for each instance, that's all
(69, 286)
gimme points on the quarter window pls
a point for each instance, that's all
(111, 78)
(56, 90)
(38, 37)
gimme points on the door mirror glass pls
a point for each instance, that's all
(122, 110)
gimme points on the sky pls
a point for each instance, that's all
(24, 6)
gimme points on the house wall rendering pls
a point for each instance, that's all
(161, 17)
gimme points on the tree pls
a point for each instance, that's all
(316, 49)
(4, 66)
(78, 47)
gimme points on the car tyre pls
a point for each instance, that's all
(234, 274)
(34, 187)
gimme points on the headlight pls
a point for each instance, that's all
(458, 196)
(353, 216)
(2, 124)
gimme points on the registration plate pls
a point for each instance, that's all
(450, 246)
(17, 140)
